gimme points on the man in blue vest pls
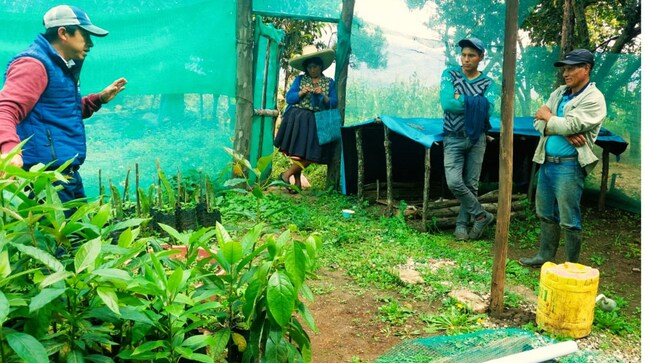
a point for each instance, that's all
(41, 97)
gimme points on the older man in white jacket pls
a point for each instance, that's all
(569, 124)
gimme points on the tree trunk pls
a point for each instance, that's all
(582, 32)
(566, 42)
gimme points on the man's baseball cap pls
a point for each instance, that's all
(63, 15)
(576, 56)
(472, 43)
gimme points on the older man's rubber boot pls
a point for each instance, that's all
(549, 240)
(572, 242)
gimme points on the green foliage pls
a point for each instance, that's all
(253, 180)
(91, 288)
(597, 260)
(394, 313)
(456, 320)
(368, 101)
(614, 321)
(527, 233)
(512, 300)
(368, 43)
(603, 20)
(264, 277)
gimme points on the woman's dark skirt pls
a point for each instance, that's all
(297, 137)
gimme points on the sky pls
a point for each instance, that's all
(412, 46)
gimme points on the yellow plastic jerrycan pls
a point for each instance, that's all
(566, 298)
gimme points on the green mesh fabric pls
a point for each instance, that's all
(318, 10)
(479, 347)
(180, 60)
(179, 103)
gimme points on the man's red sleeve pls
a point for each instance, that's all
(91, 104)
(25, 82)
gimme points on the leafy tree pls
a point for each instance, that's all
(610, 26)
(607, 27)
(368, 46)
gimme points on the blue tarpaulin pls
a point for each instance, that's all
(411, 136)
(426, 131)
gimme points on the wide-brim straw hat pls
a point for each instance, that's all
(326, 56)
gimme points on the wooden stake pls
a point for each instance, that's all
(358, 132)
(100, 188)
(388, 170)
(426, 190)
(136, 173)
(505, 159)
(126, 186)
(603, 180)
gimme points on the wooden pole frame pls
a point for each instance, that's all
(505, 158)
(358, 132)
(343, 50)
(244, 91)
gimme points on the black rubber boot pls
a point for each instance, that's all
(549, 241)
(572, 242)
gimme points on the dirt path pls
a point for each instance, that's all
(347, 320)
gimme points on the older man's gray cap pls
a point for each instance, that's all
(576, 56)
(472, 43)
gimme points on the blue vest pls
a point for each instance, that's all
(55, 124)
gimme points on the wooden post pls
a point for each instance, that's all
(388, 170)
(101, 188)
(532, 182)
(361, 161)
(505, 158)
(244, 91)
(343, 51)
(426, 191)
(603, 180)
(136, 173)
(267, 59)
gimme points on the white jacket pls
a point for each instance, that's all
(582, 115)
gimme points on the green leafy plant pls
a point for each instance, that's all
(253, 179)
(456, 320)
(597, 260)
(614, 322)
(57, 273)
(263, 277)
(394, 313)
(72, 291)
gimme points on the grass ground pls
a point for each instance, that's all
(363, 308)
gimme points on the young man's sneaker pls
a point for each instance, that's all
(480, 226)
(461, 233)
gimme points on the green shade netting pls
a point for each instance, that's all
(178, 106)
(180, 60)
(481, 346)
(318, 10)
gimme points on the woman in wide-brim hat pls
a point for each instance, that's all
(310, 92)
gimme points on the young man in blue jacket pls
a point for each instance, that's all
(467, 97)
